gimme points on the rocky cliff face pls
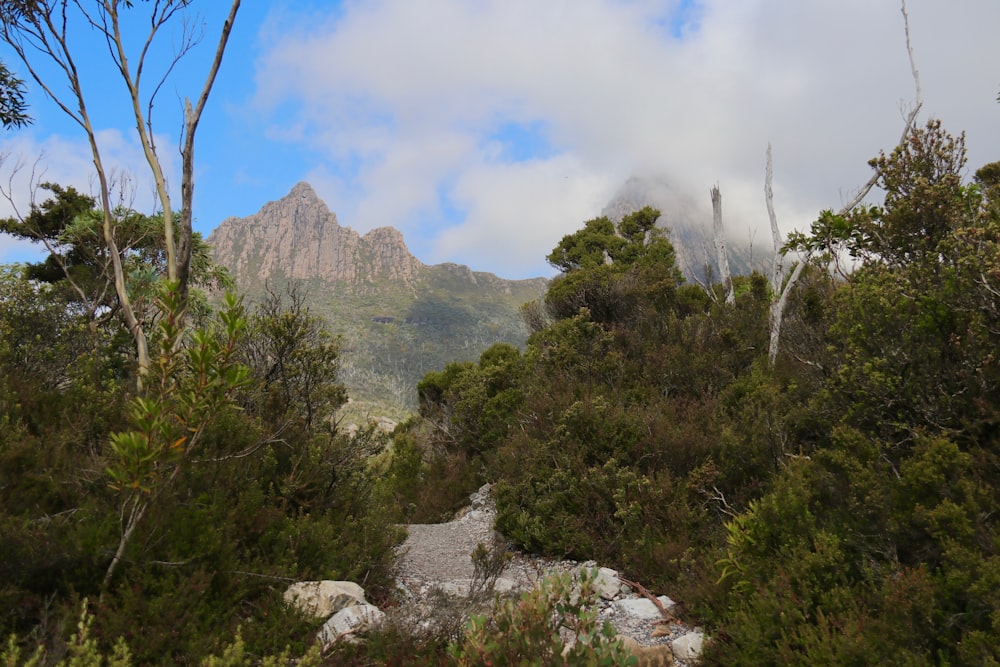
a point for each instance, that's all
(398, 317)
(298, 237)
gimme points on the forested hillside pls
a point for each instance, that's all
(835, 507)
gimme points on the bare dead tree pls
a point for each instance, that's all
(721, 256)
(781, 287)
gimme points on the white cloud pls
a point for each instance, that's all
(402, 97)
(521, 211)
(26, 162)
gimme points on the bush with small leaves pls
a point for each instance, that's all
(554, 623)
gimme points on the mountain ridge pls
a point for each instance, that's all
(298, 237)
(398, 318)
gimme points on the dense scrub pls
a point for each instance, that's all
(227, 463)
(838, 506)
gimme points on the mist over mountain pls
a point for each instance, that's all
(690, 227)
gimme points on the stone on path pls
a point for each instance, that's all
(349, 621)
(607, 583)
(643, 607)
(688, 647)
(320, 599)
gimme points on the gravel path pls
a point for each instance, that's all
(440, 552)
(437, 557)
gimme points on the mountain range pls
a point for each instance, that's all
(400, 318)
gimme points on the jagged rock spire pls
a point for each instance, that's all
(299, 237)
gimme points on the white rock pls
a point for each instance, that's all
(688, 647)
(481, 498)
(323, 598)
(475, 515)
(643, 607)
(461, 588)
(352, 620)
(506, 585)
(456, 588)
(607, 584)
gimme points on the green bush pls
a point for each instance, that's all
(82, 650)
(554, 623)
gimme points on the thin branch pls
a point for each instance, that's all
(908, 125)
(249, 451)
(192, 116)
(646, 593)
(262, 576)
(187, 42)
(132, 84)
(909, 53)
(778, 309)
(777, 268)
(724, 505)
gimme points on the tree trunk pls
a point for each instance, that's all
(721, 256)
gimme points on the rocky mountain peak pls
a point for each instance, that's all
(303, 191)
(299, 237)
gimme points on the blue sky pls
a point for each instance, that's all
(485, 130)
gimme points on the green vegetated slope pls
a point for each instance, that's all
(837, 506)
(393, 334)
(398, 318)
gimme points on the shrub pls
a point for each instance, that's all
(554, 623)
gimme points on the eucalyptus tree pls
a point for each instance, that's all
(13, 107)
(43, 34)
(190, 375)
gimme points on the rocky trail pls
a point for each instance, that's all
(436, 560)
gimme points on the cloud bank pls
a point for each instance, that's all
(486, 130)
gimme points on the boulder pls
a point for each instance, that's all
(607, 584)
(643, 607)
(688, 647)
(350, 621)
(482, 499)
(320, 599)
